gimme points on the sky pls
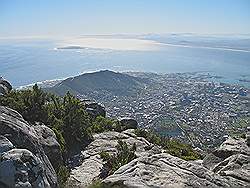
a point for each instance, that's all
(81, 17)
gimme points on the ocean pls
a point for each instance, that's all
(28, 61)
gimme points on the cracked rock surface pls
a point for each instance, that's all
(228, 166)
(22, 154)
(90, 166)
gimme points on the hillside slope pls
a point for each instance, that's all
(99, 83)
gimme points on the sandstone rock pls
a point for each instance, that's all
(91, 165)
(22, 135)
(248, 136)
(20, 168)
(47, 139)
(164, 170)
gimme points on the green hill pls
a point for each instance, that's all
(100, 83)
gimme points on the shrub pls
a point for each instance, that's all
(30, 103)
(123, 156)
(101, 124)
(60, 139)
(68, 115)
(62, 175)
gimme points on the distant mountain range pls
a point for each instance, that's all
(99, 83)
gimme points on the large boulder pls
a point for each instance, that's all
(237, 166)
(228, 148)
(231, 159)
(21, 168)
(232, 146)
(52, 149)
(94, 109)
(88, 165)
(23, 136)
(227, 166)
(128, 123)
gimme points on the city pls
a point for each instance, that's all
(186, 106)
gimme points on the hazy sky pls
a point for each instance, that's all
(76, 17)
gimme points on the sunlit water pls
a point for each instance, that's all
(28, 61)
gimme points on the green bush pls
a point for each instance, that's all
(101, 124)
(30, 103)
(75, 122)
(123, 156)
(60, 139)
(66, 116)
(62, 176)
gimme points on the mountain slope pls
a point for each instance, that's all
(99, 83)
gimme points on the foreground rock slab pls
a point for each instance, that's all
(89, 164)
(164, 170)
(22, 135)
(20, 168)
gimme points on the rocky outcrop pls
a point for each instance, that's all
(228, 166)
(164, 170)
(5, 86)
(21, 168)
(94, 109)
(153, 167)
(88, 165)
(227, 149)
(129, 123)
(22, 135)
(51, 147)
(232, 146)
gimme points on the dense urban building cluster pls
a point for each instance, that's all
(186, 106)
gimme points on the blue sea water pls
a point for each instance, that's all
(28, 61)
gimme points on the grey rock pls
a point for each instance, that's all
(237, 166)
(22, 135)
(2, 89)
(248, 136)
(128, 123)
(47, 139)
(232, 146)
(5, 144)
(228, 148)
(164, 170)
(227, 166)
(210, 161)
(95, 109)
(90, 166)
(5, 86)
(20, 168)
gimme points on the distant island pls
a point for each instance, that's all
(71, 48)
